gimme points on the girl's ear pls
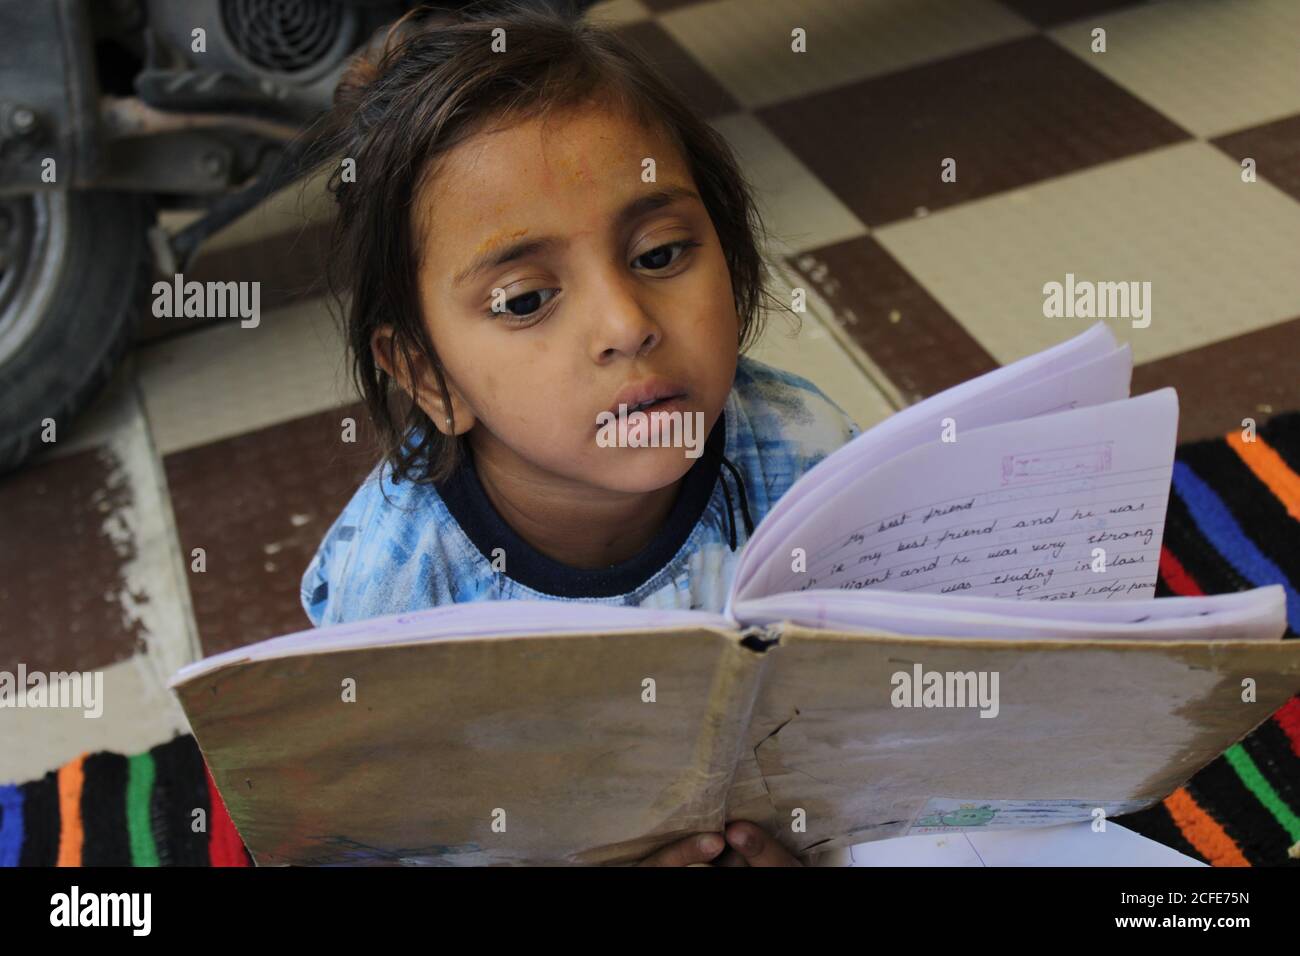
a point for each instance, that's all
(417, 379)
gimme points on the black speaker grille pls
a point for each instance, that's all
(284, 36)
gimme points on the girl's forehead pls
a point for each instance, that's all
(586, 162)
(581, 146)
(500, 238)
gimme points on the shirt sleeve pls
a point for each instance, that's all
(851, 429)
(791, 426)
(315, 588)
(325, 575)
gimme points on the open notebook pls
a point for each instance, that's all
(948, 622)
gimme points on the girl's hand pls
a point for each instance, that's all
(695, 850)
(746, 845)
(749, 845)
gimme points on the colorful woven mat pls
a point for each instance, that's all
(158, 808)
(1233, 523)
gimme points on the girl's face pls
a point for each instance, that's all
(607, 282)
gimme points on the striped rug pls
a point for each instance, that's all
(1233, 523)
(158, 808)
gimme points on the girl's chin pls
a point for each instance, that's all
(644, 469)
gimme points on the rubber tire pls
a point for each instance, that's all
(89, 320)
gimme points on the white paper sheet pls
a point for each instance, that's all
(1089, 369)
(1015, 510)
(473, 620)
(1255, 615)
(1071, 844)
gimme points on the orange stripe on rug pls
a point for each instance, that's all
(1270, 468)
(1202, 831)
(71, 835)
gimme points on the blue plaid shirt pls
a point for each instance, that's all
(428, 546)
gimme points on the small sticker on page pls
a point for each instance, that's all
(945, 814)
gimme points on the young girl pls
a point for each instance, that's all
(538, 231)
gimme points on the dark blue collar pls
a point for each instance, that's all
(469, 504)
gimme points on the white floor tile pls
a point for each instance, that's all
(1219, 253)
(1209, 65)
(800, 212)
(746, 44)
(225, 380)
(816, 354)
(138, 712)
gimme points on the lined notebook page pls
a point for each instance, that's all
(1016, 510)
(1255, 615)
(1050, 389)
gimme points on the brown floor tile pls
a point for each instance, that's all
(1251, 376)
(679, 68)
(1011, 114)
(909, 335)
(289, 266)
(259, 504)
(62, 561)
(1050, 13)
(664, 6)
(1275, 147)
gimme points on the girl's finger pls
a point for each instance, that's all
(700, 848)
(758, 849)
(729, 857)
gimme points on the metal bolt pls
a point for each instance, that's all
(213, 164)
(22, 120)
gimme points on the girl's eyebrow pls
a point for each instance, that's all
(527, 247)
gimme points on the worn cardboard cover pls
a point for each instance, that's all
(582, 748)
(1080, 725)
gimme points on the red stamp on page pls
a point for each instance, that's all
(1078, 461)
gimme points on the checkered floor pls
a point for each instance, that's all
(1123, 165)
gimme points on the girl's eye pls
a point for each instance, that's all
(522, 308)
(660, 257)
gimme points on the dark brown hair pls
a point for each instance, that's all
(431, 82)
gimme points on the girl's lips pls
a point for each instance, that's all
(657, 404)
(674, 403)
(646, 391)
(677, 403)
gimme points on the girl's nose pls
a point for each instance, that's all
(621, 324)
